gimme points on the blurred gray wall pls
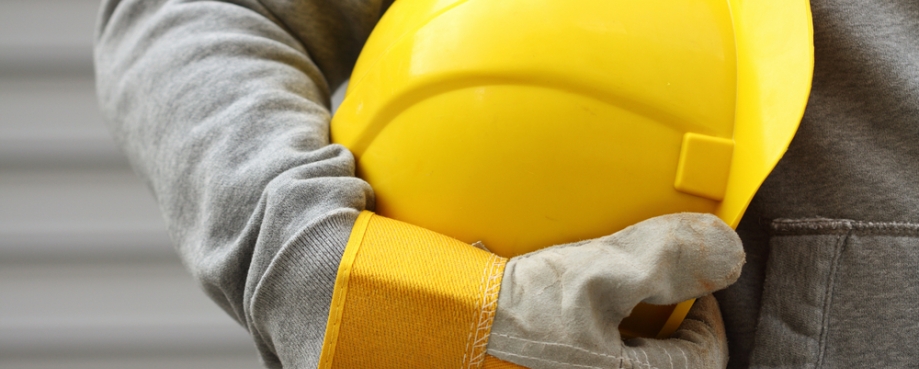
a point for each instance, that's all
(88, 278)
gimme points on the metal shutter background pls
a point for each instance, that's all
(88, 278)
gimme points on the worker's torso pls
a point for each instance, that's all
(832, 236)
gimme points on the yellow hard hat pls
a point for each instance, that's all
(526, 124)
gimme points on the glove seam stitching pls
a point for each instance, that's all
(486, 315)
(639, 362)
(547, 360)
(476, 315)
(553, 248)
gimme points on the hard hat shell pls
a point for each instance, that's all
(526, 124)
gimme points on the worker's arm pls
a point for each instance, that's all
(222, 108)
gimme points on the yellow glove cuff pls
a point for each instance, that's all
(406, 296)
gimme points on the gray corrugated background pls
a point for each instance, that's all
(88, 278)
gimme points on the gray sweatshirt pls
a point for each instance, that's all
(223, 106)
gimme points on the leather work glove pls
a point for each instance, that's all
(560, 307)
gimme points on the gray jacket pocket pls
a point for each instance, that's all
(840, 294)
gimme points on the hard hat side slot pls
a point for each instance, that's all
(704, 165)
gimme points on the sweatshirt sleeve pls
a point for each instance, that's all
(222, 108)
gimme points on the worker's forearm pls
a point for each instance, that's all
(223, 110)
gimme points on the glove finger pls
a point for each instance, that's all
(683, 255)
(700, 342)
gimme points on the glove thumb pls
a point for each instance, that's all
(685, 255)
